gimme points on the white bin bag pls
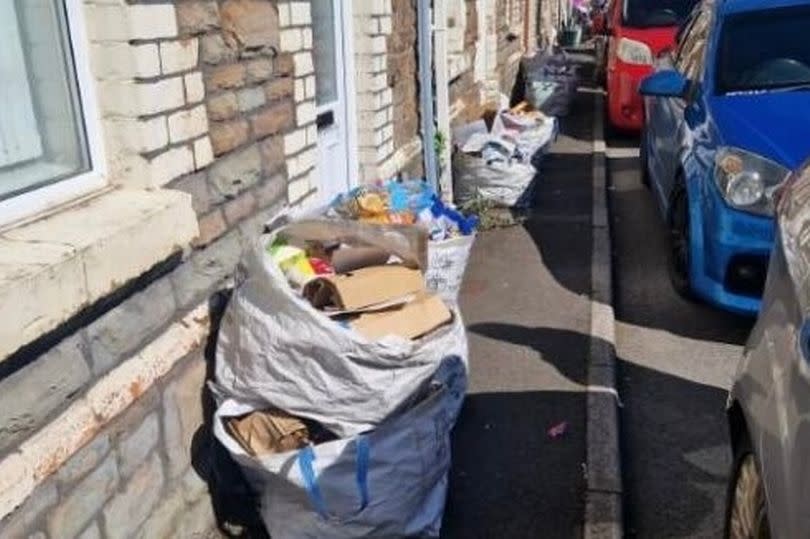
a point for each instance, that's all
(275, 349)
(447, 261)
(504, 183)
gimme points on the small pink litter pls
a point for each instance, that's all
(558, 430)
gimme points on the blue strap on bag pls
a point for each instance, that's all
(306, 458)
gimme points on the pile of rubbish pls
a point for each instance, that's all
(340, 373)
(500, 163)
(551, 83)
(451, 235)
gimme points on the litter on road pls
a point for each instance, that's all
(558, 430)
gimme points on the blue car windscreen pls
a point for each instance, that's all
(765, 50)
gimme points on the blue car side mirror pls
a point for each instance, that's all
(667, 83)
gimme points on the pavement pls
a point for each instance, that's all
(526, 301)
(676, 361)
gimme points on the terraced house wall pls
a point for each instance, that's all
(206, 113)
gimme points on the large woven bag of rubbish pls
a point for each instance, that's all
(276, 348)
(505, 183)
(447, 262)
(388, 482)
(551, 83)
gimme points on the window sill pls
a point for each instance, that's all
(53, 267)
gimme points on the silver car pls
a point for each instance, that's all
(769, 403)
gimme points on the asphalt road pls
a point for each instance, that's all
(677, 359)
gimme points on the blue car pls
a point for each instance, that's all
(727, 116)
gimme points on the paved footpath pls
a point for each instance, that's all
(527, 308)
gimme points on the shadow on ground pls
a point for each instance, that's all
(678, 462)
(507, 481)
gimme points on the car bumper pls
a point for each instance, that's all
(625, 105)
(730, 250)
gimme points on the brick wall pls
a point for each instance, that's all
(102, 423)
(249, 101)
(150, 92)
(102, 420)
(465, 90)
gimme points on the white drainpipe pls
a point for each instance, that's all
(442, 95)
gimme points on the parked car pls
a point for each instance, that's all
(639, 30)
(728, 115)
(769, 402)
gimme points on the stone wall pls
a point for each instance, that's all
(249, 100)
(403, 71)
(208, 104)
(134, 476)
(510, 27)
(466, 97)
(102, 423)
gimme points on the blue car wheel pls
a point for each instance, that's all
(680, 255)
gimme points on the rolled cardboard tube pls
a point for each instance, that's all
(352, 258)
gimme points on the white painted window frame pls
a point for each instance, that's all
(41, 199)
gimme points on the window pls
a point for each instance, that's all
(692, 51)
(48, 148)
(763, 50)
(324, 44)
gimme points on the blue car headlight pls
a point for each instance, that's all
(748, 181)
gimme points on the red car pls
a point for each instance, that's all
(639, 31)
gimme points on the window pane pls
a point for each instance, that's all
(42, 138)
(765, 50)
(323, 42)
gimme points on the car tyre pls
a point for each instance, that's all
(644, 160)
(679, 241)
(746, 508)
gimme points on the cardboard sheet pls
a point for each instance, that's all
(413, 320)
(269, 431)
(364, 289)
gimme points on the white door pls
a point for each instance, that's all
(330, 53)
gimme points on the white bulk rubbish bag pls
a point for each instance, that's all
(447, 261)
(275, 349)
(504, 183)
(389, 482)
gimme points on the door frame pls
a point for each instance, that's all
(344, 20)
(347, 22)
